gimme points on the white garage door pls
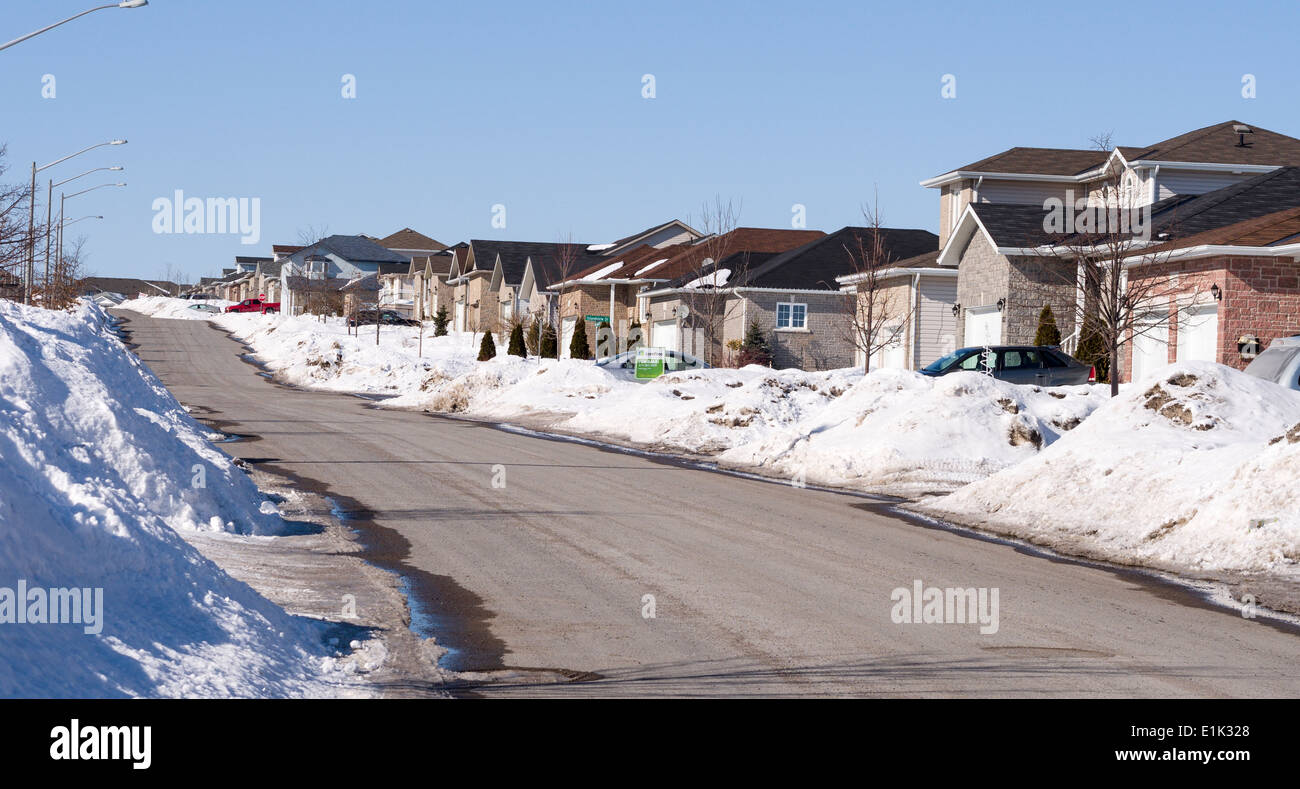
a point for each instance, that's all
(1150, 346)
(891, 357)
(566, 335)
(1198, 334)
(663, 334)
(983, 326)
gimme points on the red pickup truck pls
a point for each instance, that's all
(255, 305)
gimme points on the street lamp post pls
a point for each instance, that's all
(30, 273)
(49, 208)
(126, 4)
(62, 200)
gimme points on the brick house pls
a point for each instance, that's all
(1230, 292)
(993, 227)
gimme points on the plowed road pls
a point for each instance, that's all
(759, 588)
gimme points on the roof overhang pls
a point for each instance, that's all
(960, 175)
(850, 280)
(1212, 250)
(1205, 166)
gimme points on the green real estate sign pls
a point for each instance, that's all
(649, 362)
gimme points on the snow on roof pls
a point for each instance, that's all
(650, 267)
(599, 247)
(714, 279)
(605, 271)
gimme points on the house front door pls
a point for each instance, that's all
(460, 317)
(566, 335)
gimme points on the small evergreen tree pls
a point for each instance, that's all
(755, 349)
(1092, 352)
(611, 342)
(578, 346)
(488, 348)
(550, 349)
(440, 322)
(533, 338)
(517, 347)
(1047, 334)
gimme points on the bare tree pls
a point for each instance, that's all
(13, 231)
(565, 258)
(69, 269)
(707, 294)
(311, 234)
(875, 320)
(1107, 253)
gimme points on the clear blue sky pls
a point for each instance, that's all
(538, 106)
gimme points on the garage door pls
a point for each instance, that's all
(663, 334)
(983, 326)
(566, 335)
(1150, 346)
(892, 356)
(1198, 334)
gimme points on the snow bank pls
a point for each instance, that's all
(309, 352)
(900, 432)
(99, 468)
(169, 307)
(1197, 467)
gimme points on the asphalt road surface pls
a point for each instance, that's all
(538, 587)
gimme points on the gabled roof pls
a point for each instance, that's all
(1254, 197)
(1274, 229)
(744, 248)
(356, 249)
(817, 264)
(514, 256)
(406, 238)
(1043, 161)
(128, 286)
(285, 249)
(632, 240)
(1220, 144)
(631, 265)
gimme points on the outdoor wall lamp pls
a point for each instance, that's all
(1216, 292)
(956, 310)
(1002, 304)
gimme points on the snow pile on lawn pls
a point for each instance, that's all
(693, 411)
(1197, 467)
(901, 432)
(308, 352)
(99, 468)
(168, 307)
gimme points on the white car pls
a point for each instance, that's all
(1280, 363)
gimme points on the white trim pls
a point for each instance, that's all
(849, 280)
(1210, 250)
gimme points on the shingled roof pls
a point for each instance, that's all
(1220, 144)
(815, 265)
(406, 238)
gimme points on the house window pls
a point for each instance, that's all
(790, 315)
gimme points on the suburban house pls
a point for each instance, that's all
(502, 281)
(111, 291)
(1195, 188)
(315, 275)
(400, 290)
(695, 310)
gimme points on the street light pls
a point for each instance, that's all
(49, 207)
(126, 4)
(63, 199)
(30, 274)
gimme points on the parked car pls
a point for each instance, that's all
(1280, 363)
(386, 317)
(1017, 364)
(255, 305)
(206, 308)
(674, 361)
